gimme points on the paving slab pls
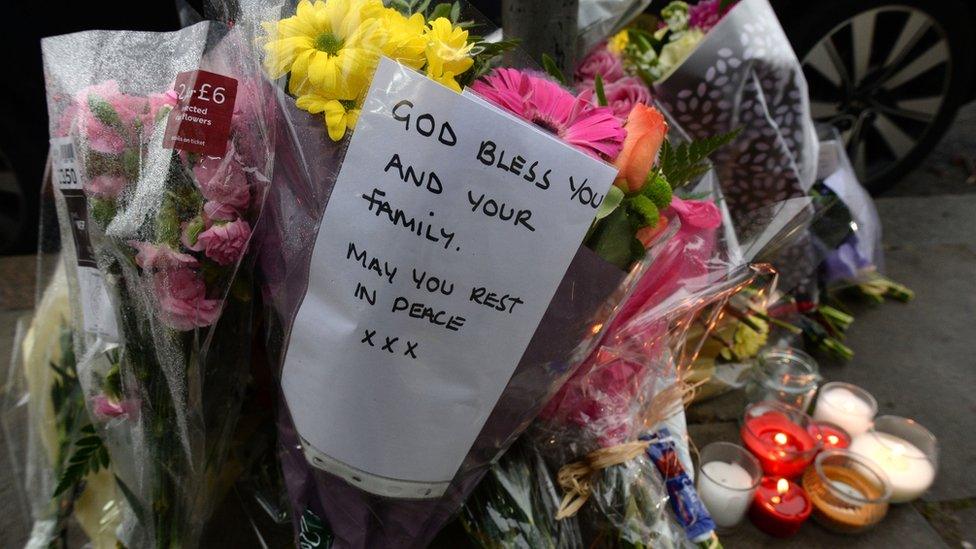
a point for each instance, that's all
(918, 358)
(903, 527)
(14, 523)
(927, 220)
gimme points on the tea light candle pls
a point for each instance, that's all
(849, 493)
(832, 436)
(909, 470)
(846, 406)
(784, 448)
(779, 507)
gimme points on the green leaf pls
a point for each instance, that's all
(552, 69)
(441, 10)
(601, 95)
(104, 111)
(612, 239)
(455, 12)
(613, 199)
(686, 162)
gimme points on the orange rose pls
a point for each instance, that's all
(645, 133)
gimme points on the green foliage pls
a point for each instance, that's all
(658, 190)
(89, 456)
(74, 430)
(613, 238)
(610, 202)
(684, 163)
(446, 10)
(644, 209)
(601, 94)
(102, 211)
(552, 69)
(104, 111)
(485, 56)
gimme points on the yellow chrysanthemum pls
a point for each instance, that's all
(448, 52)
(330, 47)
(405, 42)
(618, 42)
(747, 342)
(339, 115)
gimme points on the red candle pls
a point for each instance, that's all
(779, 507)
(784, 448)
(832, 436)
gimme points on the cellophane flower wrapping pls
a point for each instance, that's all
(316, 124)
(848, 231)
(744, 74)
(43, 410)
(634, 382)
(163, 147)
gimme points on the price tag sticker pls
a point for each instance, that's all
(93, 297)
(200, 123)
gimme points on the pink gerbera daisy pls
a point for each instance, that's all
(594, 130)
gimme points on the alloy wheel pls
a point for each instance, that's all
(881, 77)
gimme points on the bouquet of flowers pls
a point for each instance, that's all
(719, 65)
(363, 461)
(162, 160)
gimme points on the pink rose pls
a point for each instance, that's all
(623, 94)
(706, 14)
(221, 179)
(105, 186)
(603, 62)
(183, 303)
(152, 257)
(702, 214)
(225, 243)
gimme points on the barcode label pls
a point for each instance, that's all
(97, 312)
(67, 151)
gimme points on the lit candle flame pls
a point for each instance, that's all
(780, 438)
(832, 439)
(782, 486)
(596, 328)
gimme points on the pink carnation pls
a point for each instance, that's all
(219, 212)
(183, 303)
(153, 257)
(225, 243)
(702, 214)
(603, 62)
(105, 186)
(221, 179)
(102, 137)
(157, 102)
(106, 407)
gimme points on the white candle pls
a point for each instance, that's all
(840, 406)
(726, 489)
(908, 469)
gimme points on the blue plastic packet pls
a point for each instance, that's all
(688, 508)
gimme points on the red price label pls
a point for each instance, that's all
(200, 122)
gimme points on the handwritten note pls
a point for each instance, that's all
(447, 233)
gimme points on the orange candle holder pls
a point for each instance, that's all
(849, 492)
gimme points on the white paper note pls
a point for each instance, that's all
(447, 233)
